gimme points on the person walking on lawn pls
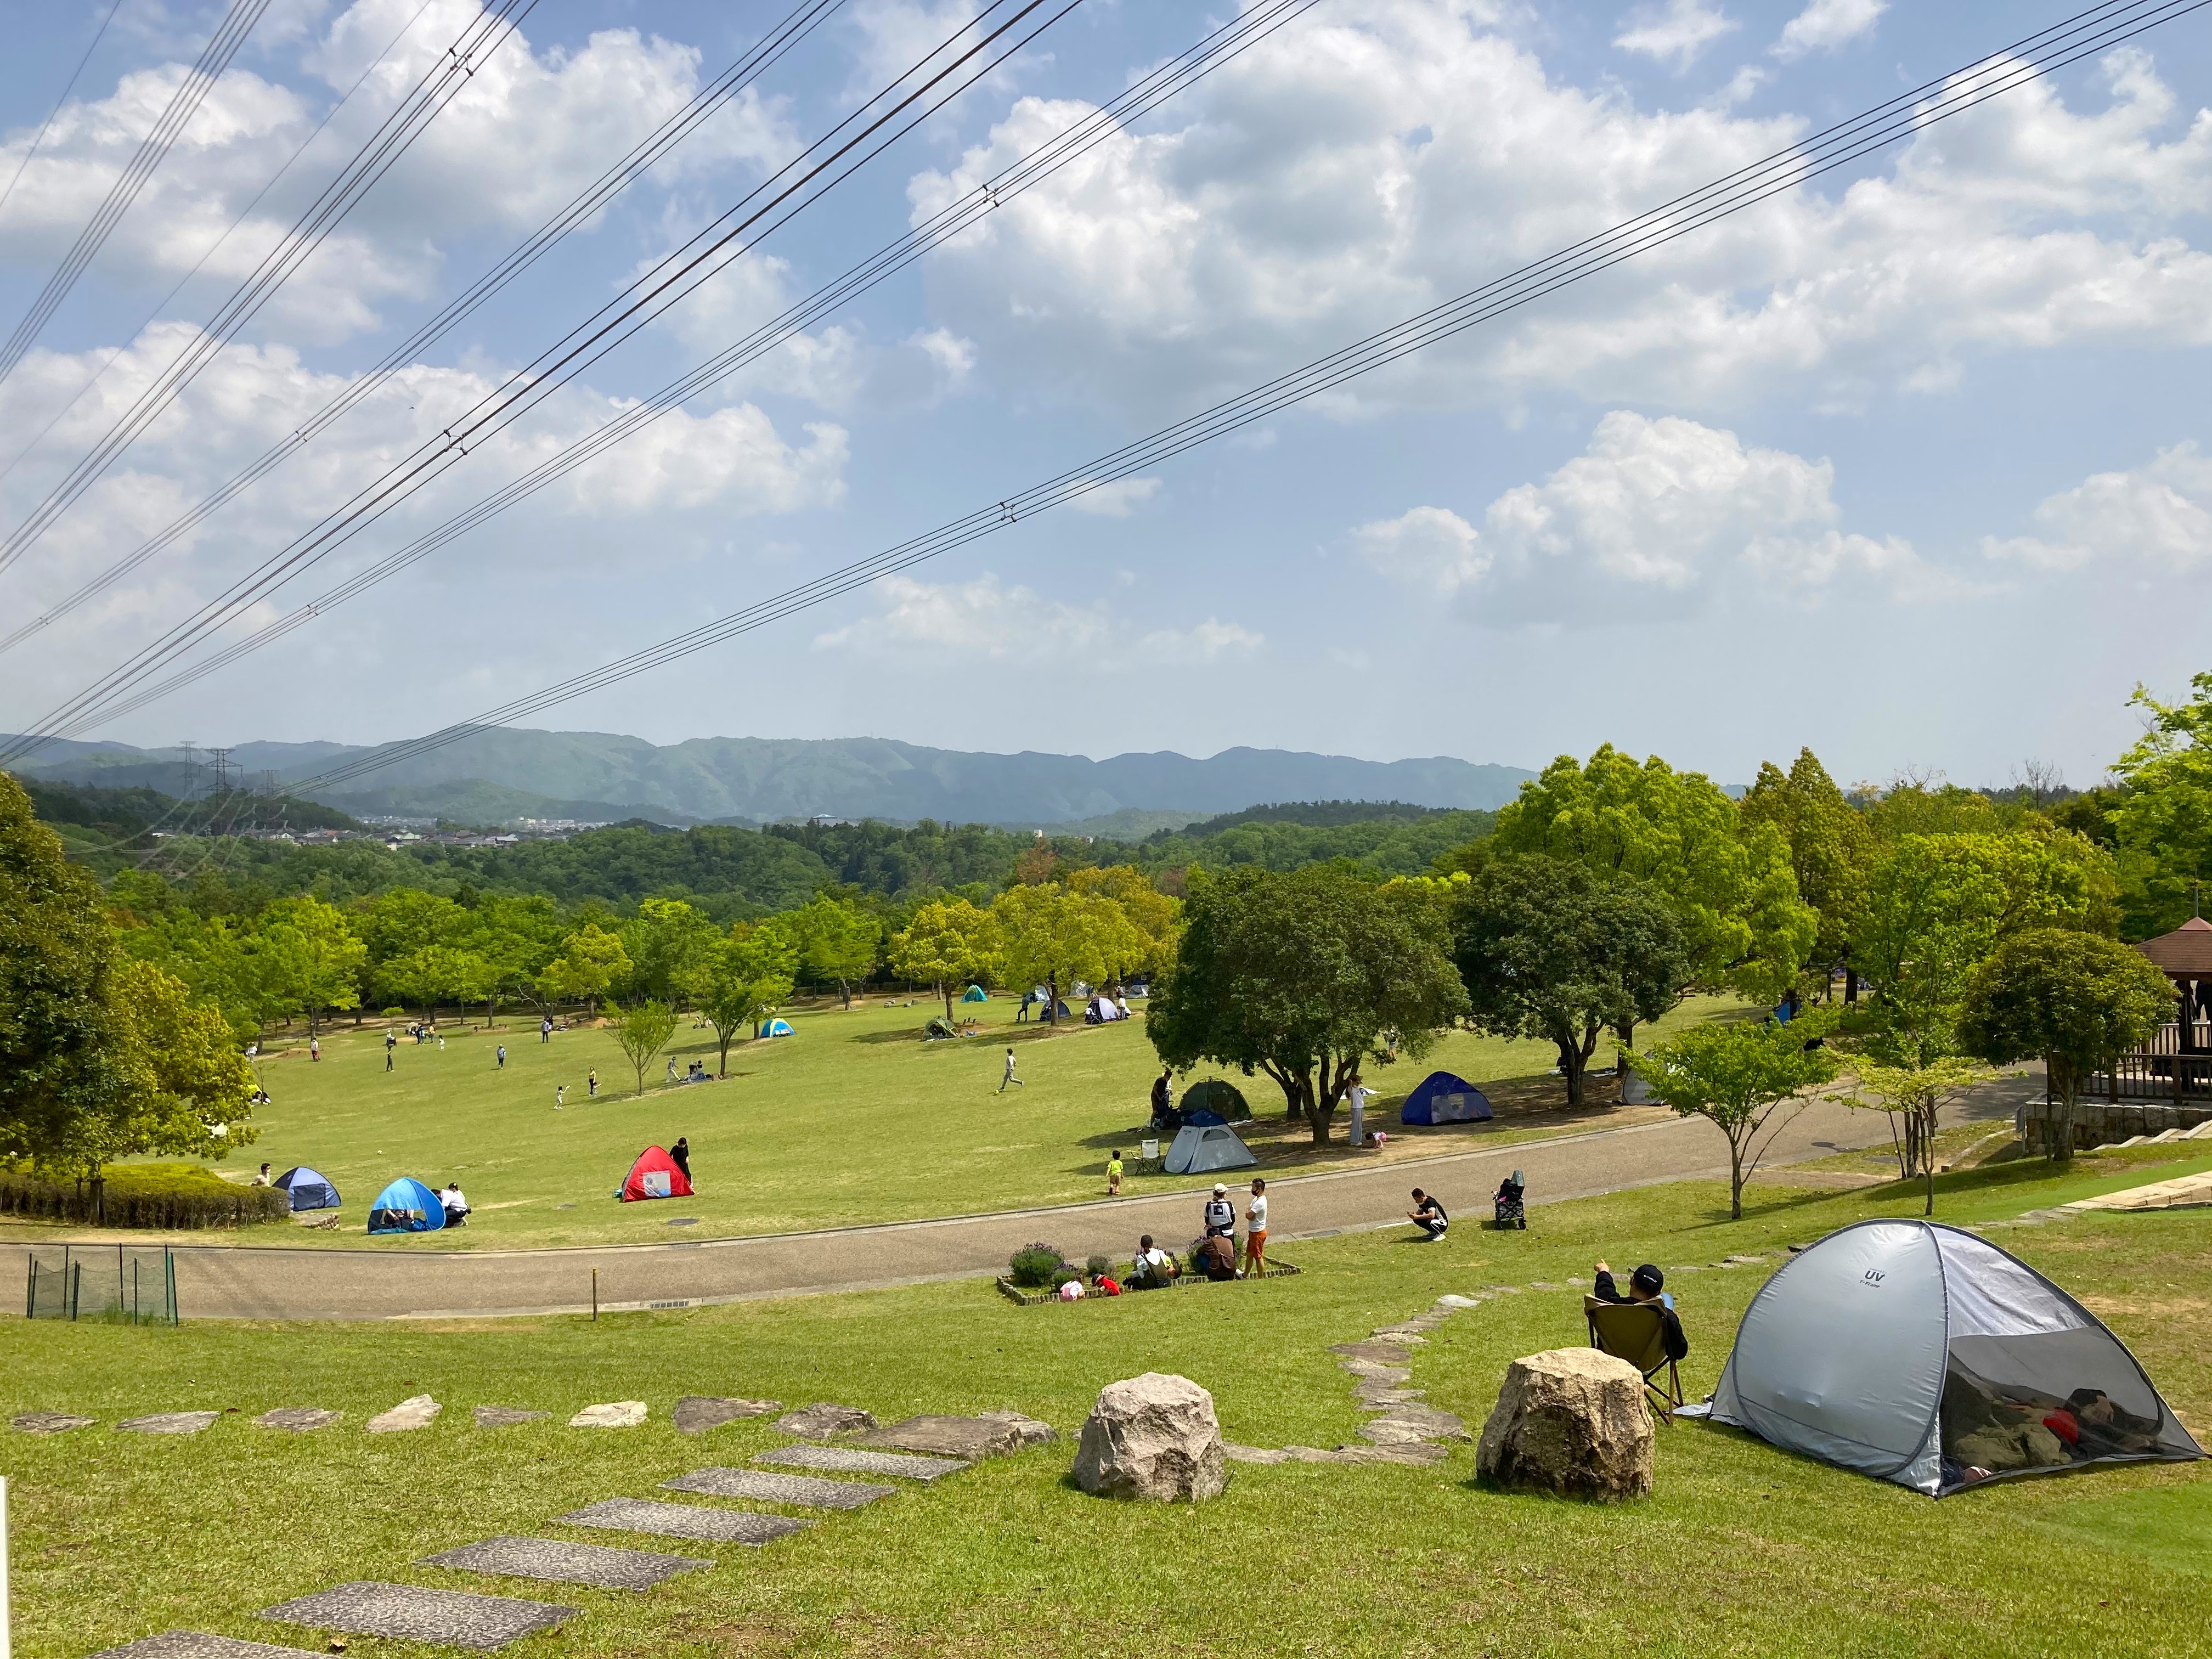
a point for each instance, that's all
(1114, 1174)
(591, 1078)
(314, 1048)
(1255, 1232)
(1010, 1077)
(502, 1056)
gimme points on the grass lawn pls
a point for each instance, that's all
(1741, 1549)
(854, 1119)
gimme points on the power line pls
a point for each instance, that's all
(642, 157)
(707, 253)
(214, 58)
(1166, 81)
(2040, 55)
(39, 137)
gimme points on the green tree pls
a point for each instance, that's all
(591, 962)
(2162, 816)
(518, 937)
(1728, 878)
(1913, 1094)
(1155, 916)
(665, 940)
(2076, 1001)
(1054, 937)
(838, 941)
(1740, 1076)
(1831, 848)
(947, 943)
(437, 974)
(1550, 950)
(643, 1029)
(743, 978)
(1305, 976)
(308, 958)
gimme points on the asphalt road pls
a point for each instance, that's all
(278, 1282)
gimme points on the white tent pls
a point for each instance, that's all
(1924, 1355)
(1201, 1147)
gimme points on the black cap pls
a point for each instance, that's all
(1647, 1279)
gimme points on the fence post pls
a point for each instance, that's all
(3, 1566)
(169, 1266)
(595, 1304)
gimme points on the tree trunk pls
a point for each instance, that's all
(1052, 986)
(1736, 1180)
(2059, 1088)
(1570, 1067)
(945, 986)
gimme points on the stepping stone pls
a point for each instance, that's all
(566, 1563)
(1501, 1290)
(168, 1423)
(505, 1417)
(61, 1422)
(695, 1413)
(1381, 1353)
(682, 1521)
(1368, 1395)
(1426, 1421)
(822, 1420)
(763, 1487)
(407, 1613)
(197, 1644)
(617, 1414)
(844, 1460)
(1741, 1261)
(418, 1412)
(1420, 1453)
(991, 1434)
(300, 1419)
(1459, 1302)
(1384, 1432)
(1237, 1454)
(1380, 1373)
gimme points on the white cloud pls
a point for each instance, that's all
(1654, 515)
(2160, 514)
(1676, 36)
(1826, 24)
(1117, 499)
(985, 621)
(1384, 156)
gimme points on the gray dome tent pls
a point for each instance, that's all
(1925, 1355)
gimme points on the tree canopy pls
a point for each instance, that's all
(948, 944)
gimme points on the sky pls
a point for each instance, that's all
(1910, 465)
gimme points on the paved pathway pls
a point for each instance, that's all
(270, 1282)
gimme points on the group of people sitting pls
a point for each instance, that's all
(1212, 1256)
(696, 1071)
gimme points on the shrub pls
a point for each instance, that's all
(1096, 1266)
(166, 1195)
(1033, 1265)
(1064, 1274)
(395, 1013)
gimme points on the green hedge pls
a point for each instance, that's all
(164, 1196)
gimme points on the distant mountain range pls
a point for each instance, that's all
(503, 774)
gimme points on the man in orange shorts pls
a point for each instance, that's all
(1255, 1233)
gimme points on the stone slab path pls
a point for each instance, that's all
(761, 1487)
(169, 1423)
(844, 1460)
(992, 1434)
(560, 1562)
(283, 1282)
(409, 1613)
(52, 1423)
(197, 1644)
(300, 1420)
(695, 1521)
(695, 1413)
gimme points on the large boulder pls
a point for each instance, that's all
(1571, 1421)
(1152, 1437)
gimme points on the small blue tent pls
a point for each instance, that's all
(309, 1190)
(975, 993)
(775, 1028)
(406, 1206)
(1443, 1098)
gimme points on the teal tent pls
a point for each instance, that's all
(406, 1206)
(775, 1028)
(975, 993)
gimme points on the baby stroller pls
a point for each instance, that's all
(1508, 1204)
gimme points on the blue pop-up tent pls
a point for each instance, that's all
(309, 1190)
(975, 993)
(773, 1028)
(406, 1206)
(1443, 1098)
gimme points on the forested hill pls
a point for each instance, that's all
(734, 873)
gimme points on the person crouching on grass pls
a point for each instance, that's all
(1255, 1233)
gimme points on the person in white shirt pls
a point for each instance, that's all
(1356, 1097)
(1255, 1232)
(1154, 1269)
(456, 1206)
(1220, 1213)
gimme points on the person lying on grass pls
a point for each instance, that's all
(1647, 1287)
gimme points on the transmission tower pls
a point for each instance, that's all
(191, 768)
(219, 762)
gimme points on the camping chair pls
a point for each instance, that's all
(1634, 1331)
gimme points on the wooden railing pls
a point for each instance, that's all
(2159, 1070)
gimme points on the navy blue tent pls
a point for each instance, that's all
(1215, 1100)
(406, 1206)
(1443, 1098)
(309, 1190)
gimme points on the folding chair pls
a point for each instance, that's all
(1635, 1331)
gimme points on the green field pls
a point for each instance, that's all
(1743, 1550)
(854, 1119)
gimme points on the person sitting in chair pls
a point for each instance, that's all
(1429, 1216)
(1647, 1286)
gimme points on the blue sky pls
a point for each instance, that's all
(1911, 466)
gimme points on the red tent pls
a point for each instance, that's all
(655, 1176)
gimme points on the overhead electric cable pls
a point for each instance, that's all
(484, 33)
(642, 157)
(214, 58)
(44, 127)
(650, 296)
(1155, 88)
(2040, 55)
(230, 230)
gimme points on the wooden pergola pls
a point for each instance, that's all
(2176, 1064)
